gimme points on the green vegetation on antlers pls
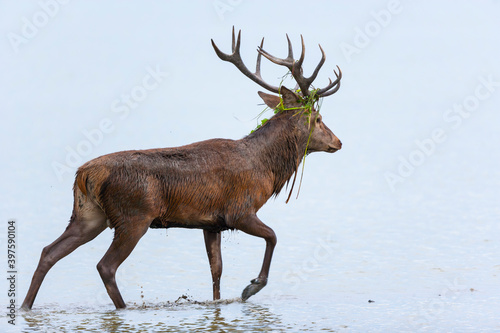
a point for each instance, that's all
(308, 102)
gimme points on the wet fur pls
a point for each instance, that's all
(208, 185)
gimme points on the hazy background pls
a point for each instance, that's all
(408, 68)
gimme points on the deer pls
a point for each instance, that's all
(213, 185)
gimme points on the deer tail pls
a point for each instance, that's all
(81, 180)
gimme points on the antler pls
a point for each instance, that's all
(295, 67)
(235, 59)
(335, 85)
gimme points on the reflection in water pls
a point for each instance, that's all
(180, 316)
(42, 321)
(252, 318)
(261, 317)
(111, 321)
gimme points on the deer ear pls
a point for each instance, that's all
(271, 100)
(290, 99)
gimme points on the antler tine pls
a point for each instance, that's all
(233, 43)
(235, 59)
(324, 92)
(259, 56)
(290, 50)
(302, 53)
(298, 73)
(278, 61)
(311, 79)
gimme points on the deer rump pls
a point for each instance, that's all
(206, 185)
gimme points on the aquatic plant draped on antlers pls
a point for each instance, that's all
(213, 185)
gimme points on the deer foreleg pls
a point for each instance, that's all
(253, 226)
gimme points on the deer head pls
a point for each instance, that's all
(302, 102)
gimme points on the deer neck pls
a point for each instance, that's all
(279, 148)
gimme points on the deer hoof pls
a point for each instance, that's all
(253, 288)
(25, 308)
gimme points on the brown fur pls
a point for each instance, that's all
(208, 185)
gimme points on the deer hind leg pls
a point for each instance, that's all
(127, 234)
(87, 221)
(212, 244)
(253, 226)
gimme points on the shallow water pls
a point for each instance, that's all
(385, 267)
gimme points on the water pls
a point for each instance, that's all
(186, 316)
(375, 265)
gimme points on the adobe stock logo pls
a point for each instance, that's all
(31, 27)
(453, 116)
(122, 107)
(371, 30)
(221, 7)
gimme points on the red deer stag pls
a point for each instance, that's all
(214, 185)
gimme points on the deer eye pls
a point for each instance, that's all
(318, 120)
